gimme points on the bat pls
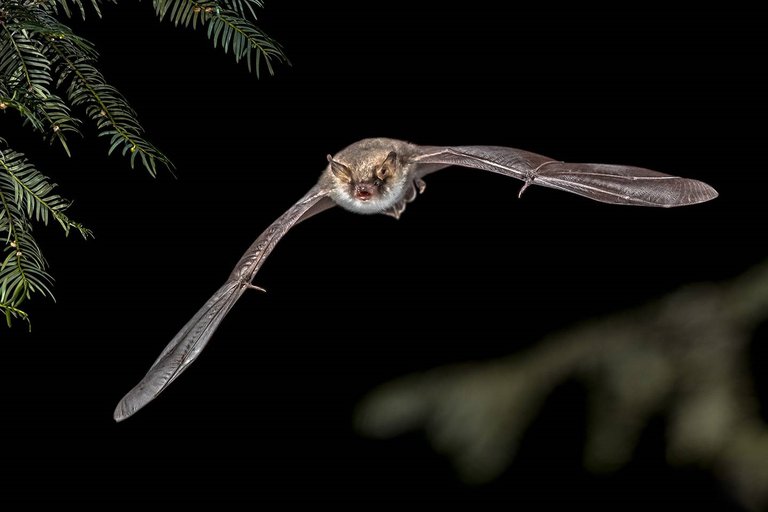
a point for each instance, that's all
(383, 175)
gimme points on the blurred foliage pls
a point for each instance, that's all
(684, 356)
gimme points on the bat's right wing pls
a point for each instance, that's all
(193, 337)
(616, 184)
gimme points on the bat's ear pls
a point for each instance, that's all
(388, 166)
(340, 170)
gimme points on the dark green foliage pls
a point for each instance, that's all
(49, 76)
(25, 195)
(228, 27)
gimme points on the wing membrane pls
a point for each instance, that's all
(615, 184)
(194, 336)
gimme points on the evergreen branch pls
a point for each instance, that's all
(73, 60)
(185, 9)
(39, 58)
(30, 116)
(12, 312)
(51, 29)
(57, 113)
(114, 117)
(50, 115)
(22, 272)
(26, 194)
(33, 191)
(683, 356)
(65, 7)
(226, 26)
(26, 79)
(241, 6)
(23, 63)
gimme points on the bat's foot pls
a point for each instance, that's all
(396, 210)
(254, 287)
(416, 187)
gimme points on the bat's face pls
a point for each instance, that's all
(367, 178)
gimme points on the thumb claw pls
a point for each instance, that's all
(254, 287)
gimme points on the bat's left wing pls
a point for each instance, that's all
(193, 337)
(616, 184)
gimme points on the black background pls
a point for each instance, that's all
(475, 272)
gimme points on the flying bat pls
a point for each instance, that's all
(382, 176)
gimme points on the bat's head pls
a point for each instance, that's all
(367, 178)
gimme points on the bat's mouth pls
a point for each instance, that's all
(363, 192)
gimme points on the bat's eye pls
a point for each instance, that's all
(377, 183)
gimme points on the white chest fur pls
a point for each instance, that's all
(343, 198)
